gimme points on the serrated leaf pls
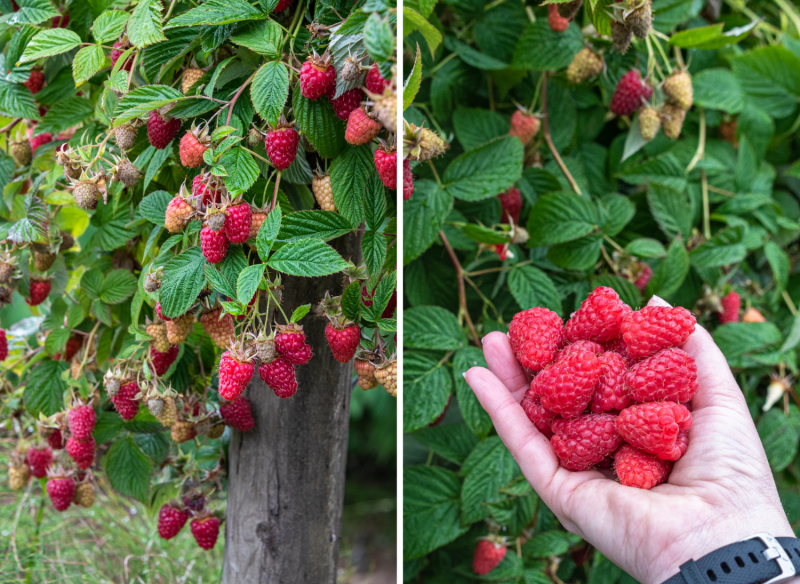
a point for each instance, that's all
(374, 202)
(270, 90)
(432, 327)
(532, 287)
(262, 37)
(88, 61)
(248, 282)
(378, 38)
(118, 286)
(300, 312)
(560, 217)
(128, 469)
(414, 21)
(50, 42)
(143, 100)
(109, 26)
(485, 171)
(486, 470)
(219, 282)
(349, 174)
(216, 12)
(413, 81)
(184, 277)
(541, 49)
(268, 232)
(427, 386)
(16, 101)
(373, 247)
(351, 300)
(307, 257)
(31, 12)
(242, 170)
(472, 411)
(154, 206)
(324, 225)
(423, 217)
(44, 388)
(315, 119)
(65, 114)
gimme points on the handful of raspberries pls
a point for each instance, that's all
(611, 386)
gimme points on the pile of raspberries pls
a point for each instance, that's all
(611, 387)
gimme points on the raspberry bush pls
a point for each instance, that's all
(158, 174)
(643, 147)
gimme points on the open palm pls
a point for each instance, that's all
(720, 491)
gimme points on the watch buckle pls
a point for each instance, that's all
(775, 552)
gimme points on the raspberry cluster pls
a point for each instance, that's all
(611, 386)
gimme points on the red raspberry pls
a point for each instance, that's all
(343, 341)
(510, 205)
(35, 82)
(61, 21)
(566, 386)
(116, 53)
(214, 244)
(282, 5)
(191, 150)
(40, 140)
(205, 532)
(557, 22)
(654, 427)
(366, 299)
(386, 165)
(158, 313)
(3, 345)
(81, 451)
(39, 460)
(161, 131)
(731, 303)
(375, 82)
(170, 521)
(316, 77)
(237, 414)
(124, 402)
(654, 328)
(599, 318)
(669, 375)
(636, 468)
(644, 277)
(541, 417)
(74, 344)
(202, 188)
(234, 375)
(611, 393)
(524, 126)
(630, 92)
(56, 440)
(488, 554)
(619, 347)
(39, 291)
(237, 223)
(345, 103)
(590, 346)
(290, 342)
(82, 420)
(586, 441)
(408, 181)
(361, 127)
(535, 336)
(682, 442)
(281, 145)
(61, 492)
(163, 361)
(279, 376)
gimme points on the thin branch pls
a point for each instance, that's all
(549, 140)
(462, 291)
(235, 97)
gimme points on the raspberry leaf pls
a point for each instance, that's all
(144, 25)
(300, 312)
(184, 277)
(128, 468)
(268, 233)
(109, 26)
(248, 282)
(219, 282)
(44, 388)
(88, 61)
(486, 170)
(307, 257)
(270, 90)
(315, 119)
(532, 287)
(48, 43)
(349, 175)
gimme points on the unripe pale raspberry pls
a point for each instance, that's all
(86, 194)
(237, 223)
(653, 328)
(669, 375)
(279, 375)
(191, 75)
(365, 370)
(599, 318)
(343, 341)
(535, 336)
(672, 118)
(524, 126)
(585, 441)
(177, 214)
(636, 468)
(234, 375)
(323, 193)
(255, 224)
(654, 427)
(361, 127)
(610, 392)
(281, 145)
(678, 89)
(179, 328)
(753, 315)
(566, 386)
(386, 375)
(158, 334)
(21, 152)
(640, 20)
(649, 123)
(169, 412)
(219, 327)
(125, 136)
(182, 431)
(621, 36)
(18, 475)
(84, 495)
(237, 414)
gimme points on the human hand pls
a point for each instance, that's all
(719, 492)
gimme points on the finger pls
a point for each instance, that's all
(502, 362)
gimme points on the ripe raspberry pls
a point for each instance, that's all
(191, 150)
(672, 118)
(219, 327)
(3, 345)
(566, 386)
(84, 495)
(124, 402)
(161, 131)
(86, 194)
(237, 223)
(599, 318)
(731, 303)
(40, 140)
(56, 440)
(557, 22)
(256, 222)
(510, 205)
(619, 347)
(541, 417)
(585, 65)
(636, 468)
(205, 532)
(39, 460)
(163, 361)
(202, 187)
(116, 53)
(386, 165)
(682, 442)
(524, 126)
(366, 299)
(282, 5)
(590, 346)
(644, 277)
(237, 414)
(630, 92)
(535, 336)
(82, 420)
(365, 371)
(345, 103)
(290, 342)
(375, 82)
(177, 214)
(61, 21)
(488, 554)
(191, 75)
(159, 313)
(361, 127)
(234, 375)
(81, 451)
(39, 291)
(408, 181)
(170, 521)
(183, 431)
(281, 145)
(649, 123)
(316, 76)
(125, 135)
(678, 89)
(323, 192)
(214, 245)
(35, 82)
(61, 491)
(654, 328)
(611, 393)
(343, 341)
(158, 334)
(386, 375)
(654, 427)
(727, 131)
(586, 441)
(669, 375)
(753, 315)
(179, 328)
(279, 375)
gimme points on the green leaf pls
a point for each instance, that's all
(737, 338)
(779, 437)
(50, 42)
(475, 126)
(109, 26)
(31, 12)
(268, 232)
(532, 287)
(242, 170)
(615, 212)
(324, 225)
(307, 257)
(778, 260)
(770, 76)
(423, 217)
(315, 118)
(413, 81)
(216, 12)
(472, 411)
(578, 254)
(248, 282)
(414, 21)
(44, 388)
(128, 469)
(560, 217)
(270, 90)
(485, 171)
(541, 49)
(546, 544)
(671, 271)
(65, 114)
(487, 469)
(16, 101)
(646, 248)
(378, 38)
(373, 247)
(219, 282)
(426, 389)
(451, 441)
(92, 284)
(32, 228)
(718, 89)
(374, 202)
(432, 327)
(349, 174)
(671, 210)
(154, 206)
(184, 278)
(88, 61)
(144, 25)
(143, 100)
(724, 249)
(351, 300)
(262, 37)
(118, 286)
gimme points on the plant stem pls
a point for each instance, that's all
(275, 194)
(235, 97)
(169, 11)
(549, 139)
(462, 291)
(701, 144)
(435, 174)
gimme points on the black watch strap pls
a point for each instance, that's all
(760, 559)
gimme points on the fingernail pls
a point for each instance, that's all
(464, 375)
(483, 338)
